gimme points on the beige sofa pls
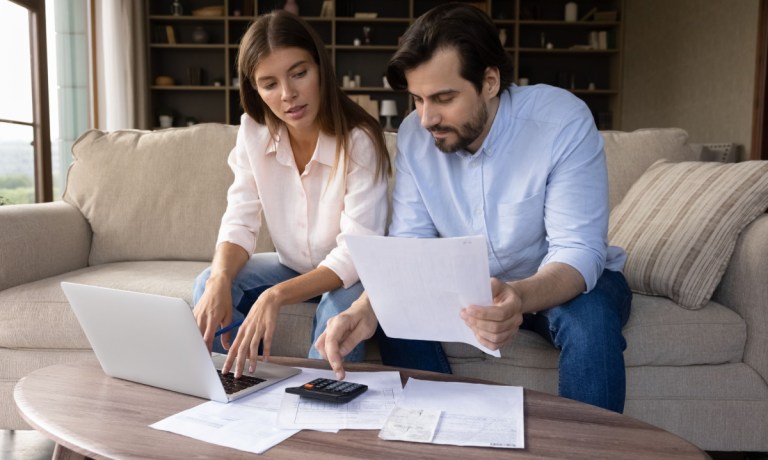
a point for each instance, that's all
(141, 212)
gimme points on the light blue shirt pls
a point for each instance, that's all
(537, 188)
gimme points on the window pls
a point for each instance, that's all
(17, 124)
(37, 131)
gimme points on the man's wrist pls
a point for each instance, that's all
(517, 291)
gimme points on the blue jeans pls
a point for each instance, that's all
(263, 271)
(586, 330)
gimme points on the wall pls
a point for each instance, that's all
(691, 64)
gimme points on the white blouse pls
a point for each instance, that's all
(308, 216)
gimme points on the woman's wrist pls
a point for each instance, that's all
(218, 280)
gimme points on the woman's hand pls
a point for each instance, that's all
(259, 325)
(214, 310)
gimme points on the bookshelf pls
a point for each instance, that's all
(197, 50)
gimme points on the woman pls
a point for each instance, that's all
(315, 164)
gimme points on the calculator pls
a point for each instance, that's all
(336, 391)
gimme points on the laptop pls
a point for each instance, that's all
(154, 340)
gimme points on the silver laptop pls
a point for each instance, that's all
(155, 340)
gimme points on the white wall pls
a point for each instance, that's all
(691, 64)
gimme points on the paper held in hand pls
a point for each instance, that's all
(418, 286)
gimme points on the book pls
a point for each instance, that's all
(170, 35)
(602, 40)
(159, 35)
(248, 8)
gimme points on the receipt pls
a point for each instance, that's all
(414, 425)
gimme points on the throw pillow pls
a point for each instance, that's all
(629, 154)
(152, 195)
(679, 224)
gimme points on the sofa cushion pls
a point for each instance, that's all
(658, 333)
(679, 224)
(629, 154)
(37, 314)
(152, 195)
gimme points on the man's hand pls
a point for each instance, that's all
(214, 310)
(495, 325)
(344, 331)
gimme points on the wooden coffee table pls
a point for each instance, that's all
(89, 414)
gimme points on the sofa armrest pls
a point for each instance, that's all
(744, 290)
(41, 240)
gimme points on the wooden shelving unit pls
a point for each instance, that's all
(203, 73)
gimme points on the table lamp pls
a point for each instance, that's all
(388, 110)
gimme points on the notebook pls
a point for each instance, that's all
(154, 340)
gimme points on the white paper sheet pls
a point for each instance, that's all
(472, 414)
(248, 424)
(413, 425)
(368, 411)
(251, 423)
(417, 286)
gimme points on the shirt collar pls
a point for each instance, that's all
(501, 122)
(325, 150)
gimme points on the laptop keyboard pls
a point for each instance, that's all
(233, 385)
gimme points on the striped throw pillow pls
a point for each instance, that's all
(679, 224)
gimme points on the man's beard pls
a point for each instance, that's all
(467, 134)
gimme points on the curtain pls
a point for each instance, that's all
(122, 90)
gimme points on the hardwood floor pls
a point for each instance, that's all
(24, 445)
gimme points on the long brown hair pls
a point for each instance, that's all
(337, 114)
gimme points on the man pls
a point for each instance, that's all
(523, 166)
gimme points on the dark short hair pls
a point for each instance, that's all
(452, 25)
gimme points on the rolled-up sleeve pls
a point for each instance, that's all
(576, 205)
(365, 205)
(242, 219)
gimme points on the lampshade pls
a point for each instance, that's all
(388, 108)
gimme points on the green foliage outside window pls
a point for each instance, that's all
(16, 190)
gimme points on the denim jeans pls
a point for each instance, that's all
(586, 330)
(263, 271)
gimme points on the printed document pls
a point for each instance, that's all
(251, 423)
(417, 286)
(471, 414)
(368, 411)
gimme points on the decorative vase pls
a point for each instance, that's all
(571, 12)
(200, 35)
(503, 36)
(292, 7)
(176, 8)
(166, 121)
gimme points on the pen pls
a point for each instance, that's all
(228, 328)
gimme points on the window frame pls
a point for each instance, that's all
(41, 121)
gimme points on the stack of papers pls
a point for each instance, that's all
(469, 414)
(425, 411)
(267, 417)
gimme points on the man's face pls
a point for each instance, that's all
(448, 105)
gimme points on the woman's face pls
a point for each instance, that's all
(288, 80)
